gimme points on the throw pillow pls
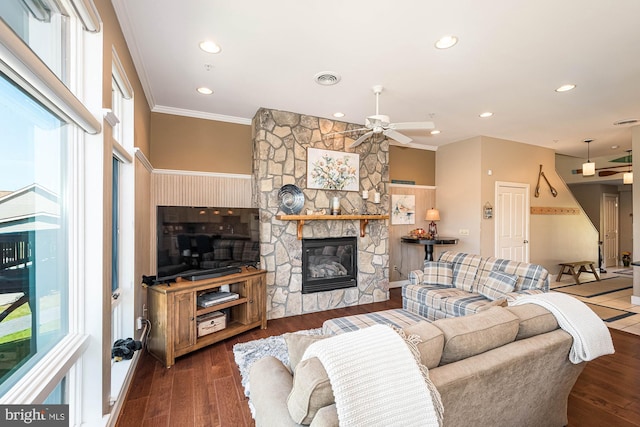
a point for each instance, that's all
(467, 336)
(534, 320)
(311, 391)
(432, 339)
(297, 344)
(438, 273)
(497, 285)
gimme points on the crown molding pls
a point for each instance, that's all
(200, 115)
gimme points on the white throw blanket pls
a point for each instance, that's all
(591, 337)
(376, 380)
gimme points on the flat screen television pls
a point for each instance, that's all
(192, 239)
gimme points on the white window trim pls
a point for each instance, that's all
(40, 380)
(24, 67)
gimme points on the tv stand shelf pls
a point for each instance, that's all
(174, 311)
(364, 220)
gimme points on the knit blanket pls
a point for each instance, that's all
(591, 337)
(376, 379)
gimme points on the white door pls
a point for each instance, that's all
(610, 230)
(512, 221)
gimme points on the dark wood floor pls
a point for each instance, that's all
(203, 388)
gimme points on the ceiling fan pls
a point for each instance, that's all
(380, 124)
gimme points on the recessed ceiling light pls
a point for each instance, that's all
(615, 147)
(446, 42)
(210, 47)
(435, 132)
(565, 88)
(486, 114)
(338, 114)
(326, 78)
(204, 90)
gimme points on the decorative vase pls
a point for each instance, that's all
(626, 260)
(335, 206)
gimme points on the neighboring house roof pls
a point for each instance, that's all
(30, 208)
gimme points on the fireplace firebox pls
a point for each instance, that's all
(329, 264)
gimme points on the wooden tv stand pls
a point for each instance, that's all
(173, 312)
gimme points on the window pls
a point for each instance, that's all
(47, 243)
(122, 212)
(33, 232)
(42, 29)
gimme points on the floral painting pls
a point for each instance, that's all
(332, 170)
(403, 209)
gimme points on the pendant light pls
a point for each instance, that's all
(627, 178)
(589, 168)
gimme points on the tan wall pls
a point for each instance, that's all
(464, 186)
(411, 164)
(406, 256)
(191, 144)
(459, 196)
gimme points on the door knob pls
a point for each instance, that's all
(525, 242)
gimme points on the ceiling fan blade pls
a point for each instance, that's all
(345, 131)
(397, 136)
(412, 125)
(361, 139)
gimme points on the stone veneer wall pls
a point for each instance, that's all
(280, 142)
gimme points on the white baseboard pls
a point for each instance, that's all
(635, 300)
(398, 284)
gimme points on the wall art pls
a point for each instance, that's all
(333, 170)
(403, 209)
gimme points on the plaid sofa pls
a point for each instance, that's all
(459, 284)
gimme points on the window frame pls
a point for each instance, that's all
(72, 358)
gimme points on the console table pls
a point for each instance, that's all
(428, 244)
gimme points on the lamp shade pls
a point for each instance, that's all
(588, 169)
(627, 178)
(433, 215)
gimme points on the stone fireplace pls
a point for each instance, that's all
(280, 143)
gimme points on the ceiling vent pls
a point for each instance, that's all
(625, 122)
(326, 78)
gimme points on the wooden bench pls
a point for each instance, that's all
(570, 268)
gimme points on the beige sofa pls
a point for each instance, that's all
(506, 366)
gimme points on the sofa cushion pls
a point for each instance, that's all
(465, 267)
(297, 344)
(311, 391)
(438, 273)
(497, 285)
(530, 276)
(534, 320)
(470, 335)
(432, 340)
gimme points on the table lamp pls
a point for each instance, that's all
(433, 215)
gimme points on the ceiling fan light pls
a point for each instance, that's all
(435, 132)
(486, 114)
(627, 178)
(588, 169)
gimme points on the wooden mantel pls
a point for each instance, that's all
(364, 220)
